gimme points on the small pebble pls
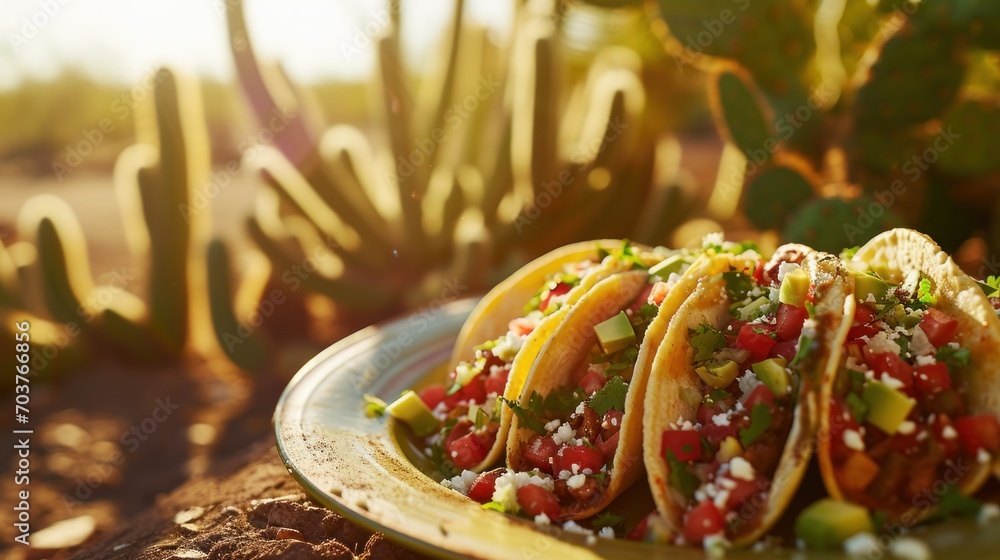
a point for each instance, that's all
(189, 515)
(286, 533)
(65, 534)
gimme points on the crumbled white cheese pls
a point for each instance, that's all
(891, 382)
(882, 343)
(922, 435)
(906, 427)
(784, 268)
(573, 527)
(564, 475)
(910, 548)
(576, 481)
(988, 513)
(580, 408)
(926, 360)
(542, 519)
(715, 238)
(949, 433)
(508, 346)
(506, 485)
(920, 345)
(716, 545)
(460, 483)
(727, 483)
(564, 434)
(748, 382)
(954, 345)
(856, 364)
(599, 367)
(721, 419)
(862, 545)
(852, 439)
(553, 425)
(606, 533)
(741, 468)
(721, 498)
(983, 456)
(682, 424)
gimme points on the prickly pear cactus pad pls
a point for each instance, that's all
(928, 67)
(773, 194)
(830, 224)
(978, 121)
(741, 111)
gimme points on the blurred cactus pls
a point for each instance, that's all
(497, 156)
(155, 182)
(870, 150)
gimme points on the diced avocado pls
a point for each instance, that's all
(887, 407)
(794, 287)
(718, 374)
(464, 372)
(615, 334)
(412, 411)
(668, 266)
(749, 309)
(828, 523)
(729, 448)
(772, 373)
(867, 285)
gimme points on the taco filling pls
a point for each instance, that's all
(898, 419)
(749, 376)
(466, 406)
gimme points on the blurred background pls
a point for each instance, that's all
(198, 196)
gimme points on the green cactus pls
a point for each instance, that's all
(250, 352)
(742, 113)
(930, 63)
(949, 223)
(977, 122)
(772, 195)
(830, 224)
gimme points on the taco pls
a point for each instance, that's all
(910, 407)
(575, 442)
(731, 404)
(499, 342)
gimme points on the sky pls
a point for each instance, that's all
(122, 40)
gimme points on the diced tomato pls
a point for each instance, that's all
(932, 378)
(535, 500)
(521, 326)
(979, 432)
(760, 394)
(715, 433)
(784, 350)
(540, 452)
(485, 484)
(592, 382)
(611, 423)
(758, 273)
(638, 532)
(466, 451)
(473, 391)
(840, 420)
(863, 315)
(950, 446)
(857, 472)
(658, 293)
(705, 413)
(641, 299)
(939, 327)
(894, 366)
(790, 321)
(744, 490)
(496, 381)
(859, 331)
(702, 521)
(582, 457)
(609, 447)
(558, 290)
(759, 344)
(433, 395)
(906, 444)
(684, 444)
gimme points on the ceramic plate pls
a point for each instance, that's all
(367, 470)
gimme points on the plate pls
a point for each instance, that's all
(368, 471)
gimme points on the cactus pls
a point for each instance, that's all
(830, 224)
(977, 121)
(250, 352)
(742, 113)
(774, 193)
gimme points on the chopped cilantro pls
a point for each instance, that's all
(904, 346)
(680, 477)
(738, 285)
(481, 418)
(879, 519)
(848, 254)
(811, 309)
(601, 476)
(924, 294)
(706, 341)
(805, 345)
(625, 360)
(991, 287)
(765, 332)
(891, 301)
(536, 404)
(611, 396)
(954, 504)
(716, 395)
(955, 358)
(859, 408)
(374, 406)
(494, 506)
(527, 417)
(648, 311)
(857, 379)
(563, 399)
(760, 421)
(607, 519)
